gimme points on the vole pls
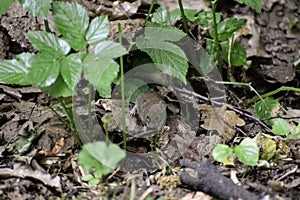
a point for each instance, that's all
(151, 109)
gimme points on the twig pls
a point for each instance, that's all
(213, 101)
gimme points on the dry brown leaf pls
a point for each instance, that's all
(213, 120)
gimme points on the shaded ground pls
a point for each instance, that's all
(48, 169)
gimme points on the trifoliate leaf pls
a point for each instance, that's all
(238, 56)
(280, 127)
(48, 43)
(38, 8)
(247, 152)
(98, 30)
(16, 71)
(227, 27)
(72, 21)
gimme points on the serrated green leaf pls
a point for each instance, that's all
(227, 27)
(221, 152)
(44, 70)
(58, 89)
(100, 72)
(109, 49)
(238, 56)
(247, 152)
(168, 57)
(161, 16)
(169, 62)
(5, 4)
(266, 107)
(48, 43)
(280, 127)
(175, 15)
(189, 13)
(72, 21)
(71, 70)
(157, 33)
(256, 4)
(205, 19)
(39, 8)
(98, 30)
(16, 71)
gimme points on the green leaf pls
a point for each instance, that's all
(100, 72)
(38, 8)
(71, 70)
(133, 87)
(247, 152)
(212, 49)
(98, 30)
(238, 56)
(227, 27)
(72, 21)
(280, 127)
(168, 57)
(44, 70)
(205, 19)
(109, 49)
(16, 71)
(256, 4)
(48, 43)
(101, 157)
(266, 107)
(189, 13)
(175, 15)
(221, 152)
(296, 133)
(5, 4)
(161, 16)
(58, 89)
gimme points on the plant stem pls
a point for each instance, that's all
(149, 12)
(90, 119)
(122, 90)
(283, 88)
(47, 26)
(213, 5)
(69, 115)
(185, 26)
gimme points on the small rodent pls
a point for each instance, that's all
(151, 109)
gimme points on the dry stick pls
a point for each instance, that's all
(211, 100)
